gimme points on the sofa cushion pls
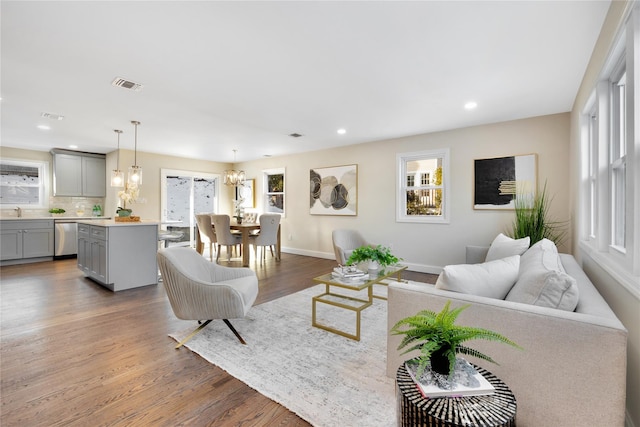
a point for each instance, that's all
(553, 289)
(491, 279)
(542, 280)
(504, 246)
(543, 255)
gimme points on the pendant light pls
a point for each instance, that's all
(232, 176)
(117, 176)
(135, 172)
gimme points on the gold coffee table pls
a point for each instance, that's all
(347, 302)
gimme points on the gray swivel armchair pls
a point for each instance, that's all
(201, 290)
(344, 242)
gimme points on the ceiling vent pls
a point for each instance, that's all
(52, 116)
(127, 84)
(295, 135)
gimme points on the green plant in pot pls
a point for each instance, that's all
(533, 219)
(439, 339)
(56, 211)
(378, 254)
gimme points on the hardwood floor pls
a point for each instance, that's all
(74, 353)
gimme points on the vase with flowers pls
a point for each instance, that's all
(238, 209)
(129, 194)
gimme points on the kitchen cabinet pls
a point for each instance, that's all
(79, 174)
(26, 240)
(117, 255)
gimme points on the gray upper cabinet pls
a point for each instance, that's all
(79, 174)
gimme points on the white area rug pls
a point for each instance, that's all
(326, 379)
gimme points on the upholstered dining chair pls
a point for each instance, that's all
(268, 235)
(201, 290)
(344, 242)
(224, 236)
(207, 234)
(250, 217)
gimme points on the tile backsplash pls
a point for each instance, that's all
(73, 206)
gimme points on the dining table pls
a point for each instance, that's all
(246, 228)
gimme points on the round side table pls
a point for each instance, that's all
(497, 409)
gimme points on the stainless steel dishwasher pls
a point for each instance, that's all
(66, 238)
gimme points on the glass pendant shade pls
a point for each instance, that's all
(135, 176)
(135, 172)
(117, 176)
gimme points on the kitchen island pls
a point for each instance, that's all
(118, 255)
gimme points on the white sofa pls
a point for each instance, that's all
(572, 371)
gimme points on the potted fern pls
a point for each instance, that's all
(439, 339)
(375, 255)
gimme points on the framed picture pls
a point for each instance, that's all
(498, 181)
(247, 194)
(334, 190)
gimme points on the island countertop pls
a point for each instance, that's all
(114, 223)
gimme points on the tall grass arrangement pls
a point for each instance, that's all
(533, 220)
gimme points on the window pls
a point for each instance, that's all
(592, 170)
(611, 230)
(428, 201)
(274, 187)
(618, 160)
(23, 184)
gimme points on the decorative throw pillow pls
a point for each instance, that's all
(553, 289)
(542, 256)
(504, 246)
(491, 279)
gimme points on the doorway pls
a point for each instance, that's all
(183, 195)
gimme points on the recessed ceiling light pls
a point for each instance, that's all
(43, 127)
(470, 105)
(342, 131)
(73, 146)
(52, 116)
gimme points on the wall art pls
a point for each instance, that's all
(334, 190)
(246, 192)
(498, 181)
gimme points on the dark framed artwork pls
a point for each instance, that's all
(334, 190)
(498, 181)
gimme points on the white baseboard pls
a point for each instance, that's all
(420, 268)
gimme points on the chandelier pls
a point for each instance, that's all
(135, 172)
(117, 176)
(232, 176)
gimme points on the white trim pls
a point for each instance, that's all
(607, 263)
(265, 187)
(43, 175)
(401, 162)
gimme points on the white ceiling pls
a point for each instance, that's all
(220, 76)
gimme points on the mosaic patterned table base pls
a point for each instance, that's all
(498, 409)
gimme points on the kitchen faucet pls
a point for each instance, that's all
(19, 210)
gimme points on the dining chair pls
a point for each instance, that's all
(268, 235)
(344, 242)
(207, 233)
(250, 217)
(201, 290)
(224, 236)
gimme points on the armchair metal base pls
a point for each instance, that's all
(199, 328)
